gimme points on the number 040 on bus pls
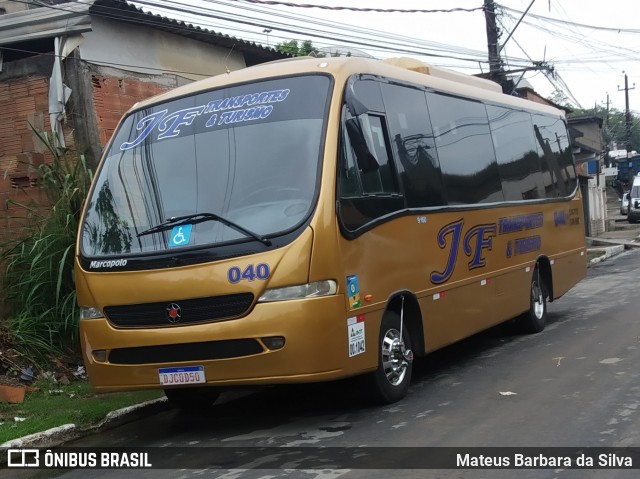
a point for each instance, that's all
(317, 219)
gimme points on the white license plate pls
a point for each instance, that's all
(185, 375)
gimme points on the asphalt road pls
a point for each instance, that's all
(576, 384)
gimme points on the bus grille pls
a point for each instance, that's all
(171, 353)
(190, 311)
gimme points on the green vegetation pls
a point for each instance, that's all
(306, 48)
(51, 404)
(37, 282)
(41, 329)
(303, 49)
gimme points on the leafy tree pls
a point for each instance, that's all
(293, 48)
(560, 98)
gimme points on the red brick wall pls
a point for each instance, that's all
(24, 102)
(24, 105)
(113, 96)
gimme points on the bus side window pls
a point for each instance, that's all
(414, 145)
(381, 179)
(465, 150)
(555, 155)
(349, 178)
(368, 185)
(515, 146)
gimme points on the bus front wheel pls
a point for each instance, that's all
(390, 381)
(195, 398)
(534, 320)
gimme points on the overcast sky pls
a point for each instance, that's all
(589, 61)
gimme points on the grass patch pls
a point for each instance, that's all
(52, 404)
(37, 260)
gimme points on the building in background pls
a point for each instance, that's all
(73, 69)
(588, 150)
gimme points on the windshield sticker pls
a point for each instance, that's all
(180, 236)
(253, 106)
(355, 333)
(353, 291)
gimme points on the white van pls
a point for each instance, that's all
(624, 204)
(634, 200)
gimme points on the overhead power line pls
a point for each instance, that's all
(567, 22)
(398, 44)
(249, 17)
(391, 44)
(359, 9)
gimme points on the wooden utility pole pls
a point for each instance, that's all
(495, 65)
(628, 127)
(607, 144)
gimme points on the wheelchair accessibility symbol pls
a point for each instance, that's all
(180, 236)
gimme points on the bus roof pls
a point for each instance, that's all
(403, 68)
(426, 69)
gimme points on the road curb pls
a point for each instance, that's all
(605, 253)
(59, 435)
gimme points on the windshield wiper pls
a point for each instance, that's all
(200, 218)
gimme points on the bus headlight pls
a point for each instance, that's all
(90, 312)
(310, 290)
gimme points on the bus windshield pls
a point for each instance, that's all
(247, 156)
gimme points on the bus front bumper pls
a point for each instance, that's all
(233, 352)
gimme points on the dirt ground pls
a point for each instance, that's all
(16, 369)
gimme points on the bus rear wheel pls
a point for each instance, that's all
(534, 320)
(390, 381)
(197, 398)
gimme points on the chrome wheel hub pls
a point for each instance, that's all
(538, 300)
(395, 357)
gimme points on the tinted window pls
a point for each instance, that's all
(248, 153)
(414, 146)
(368, 92)
(556, 158)
(368, 185)
(381, 179)
(465, 150)
(515, 147)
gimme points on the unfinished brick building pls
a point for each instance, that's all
(74, 68)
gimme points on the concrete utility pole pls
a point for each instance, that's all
(628, 125)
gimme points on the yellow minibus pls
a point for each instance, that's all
(321, 218)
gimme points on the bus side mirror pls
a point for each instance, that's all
(365, 159)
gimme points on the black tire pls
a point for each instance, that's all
(391, 380)
(534, 320)
(194, 398)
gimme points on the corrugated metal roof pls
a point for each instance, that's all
(75, 17)
(45, 22)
